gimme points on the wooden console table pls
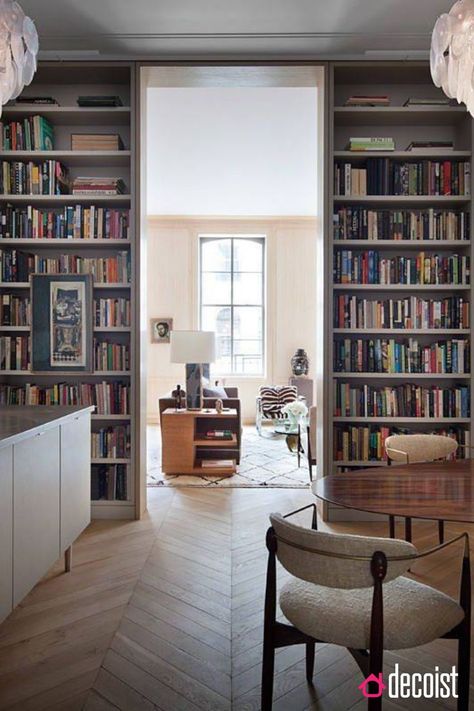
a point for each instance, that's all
(185, 450)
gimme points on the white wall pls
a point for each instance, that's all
(232, 151)
(291, 296)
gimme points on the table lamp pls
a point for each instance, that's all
(195, 349)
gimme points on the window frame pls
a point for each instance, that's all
(259, 239)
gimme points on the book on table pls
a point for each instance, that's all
(371, 143)
(218, 434)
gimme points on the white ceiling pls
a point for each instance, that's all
(235, 27)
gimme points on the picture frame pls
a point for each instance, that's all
(61, 323)
(160, 329)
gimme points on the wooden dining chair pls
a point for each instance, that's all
(418, 449)
(350, 591)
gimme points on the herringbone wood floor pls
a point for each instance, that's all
(166, 614)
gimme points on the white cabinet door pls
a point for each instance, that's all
(35, 509)
(75, 478)
(6, 525)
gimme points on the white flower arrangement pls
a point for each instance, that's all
(296, 409)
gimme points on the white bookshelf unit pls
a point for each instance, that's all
(400, 81)
(65, 81)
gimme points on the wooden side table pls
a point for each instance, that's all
(185, 449)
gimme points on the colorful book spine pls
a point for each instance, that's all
(111, 442)
(111, 356)
(351, 223)
(108, 398)
(112, 312)
(16, 266)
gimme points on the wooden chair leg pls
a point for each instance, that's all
(441, 531)
(310, 648)
(464, 662)
(68, 559)
(268, 669)
(408, 534)
(391, 525)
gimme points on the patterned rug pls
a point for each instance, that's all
(265, 462)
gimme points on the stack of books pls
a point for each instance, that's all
(430, 146)
(96, 142)
(36, 100)
(71, 222)
(420, 101)
(406, 400)
(99, 101)
(352, 312)
(34, 133)
(47, 178)
(366, 100)
(98, 186)
(371, 143)
(218, 434)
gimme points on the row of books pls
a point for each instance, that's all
(17, 266)
(353, 443)
(15, 310)
(388, 355)
(407, 400)
(109, 482)
(94, 185)
(352, 312)
(108, 398)
(70, 222)
(14, 353)
(383, 176)
(427, 224)
(111, 356)
(111, 442)
(33, 133)
(46, 178)
(371, 268)
(112, 312)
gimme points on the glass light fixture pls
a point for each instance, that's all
(18, 50)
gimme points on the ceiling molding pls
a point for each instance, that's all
(239, 35)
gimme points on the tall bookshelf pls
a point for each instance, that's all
(398, 80)
(65, 81)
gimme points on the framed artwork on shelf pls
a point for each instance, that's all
(160, 329)
(61, 328)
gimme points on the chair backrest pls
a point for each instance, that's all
(418, 448)
(306, 554)
(312, 431)
(274, 397)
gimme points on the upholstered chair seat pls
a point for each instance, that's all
(414, 614)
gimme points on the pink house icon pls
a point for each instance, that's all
(364, 687)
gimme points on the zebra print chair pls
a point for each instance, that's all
(270, 402)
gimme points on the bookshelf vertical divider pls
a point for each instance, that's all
(400, 81)
(65, 81)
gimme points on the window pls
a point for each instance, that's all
(232, 301)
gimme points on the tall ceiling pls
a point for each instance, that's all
(299, 28)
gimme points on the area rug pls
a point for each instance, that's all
(265, 463)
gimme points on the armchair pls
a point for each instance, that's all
(350, 591)
(270, 402)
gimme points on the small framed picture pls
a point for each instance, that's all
(61, 326)
(160, 329)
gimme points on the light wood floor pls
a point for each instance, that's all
(166, 614)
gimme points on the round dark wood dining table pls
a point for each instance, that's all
(435, 491)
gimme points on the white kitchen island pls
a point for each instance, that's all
(44, 492)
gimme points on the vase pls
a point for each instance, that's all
(300, 363)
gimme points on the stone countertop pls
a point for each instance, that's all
(17, 422)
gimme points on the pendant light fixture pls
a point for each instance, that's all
(18, 50)
(452, 53)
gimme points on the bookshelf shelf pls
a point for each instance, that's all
(72, 115)
(95, 199)
(399, 420)
(403, 287)
(397, 115)
(65, 81)
(66, 243)
(408, 200)
(346, 436)
(73, 158)
(405, 376)
(402, 155)
(395, 244)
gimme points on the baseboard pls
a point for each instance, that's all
(122, 512)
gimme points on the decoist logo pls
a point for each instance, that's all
(403, 685)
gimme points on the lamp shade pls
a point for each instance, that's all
(193, 347)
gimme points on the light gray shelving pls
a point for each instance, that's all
(65, 81)
(399, 80)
